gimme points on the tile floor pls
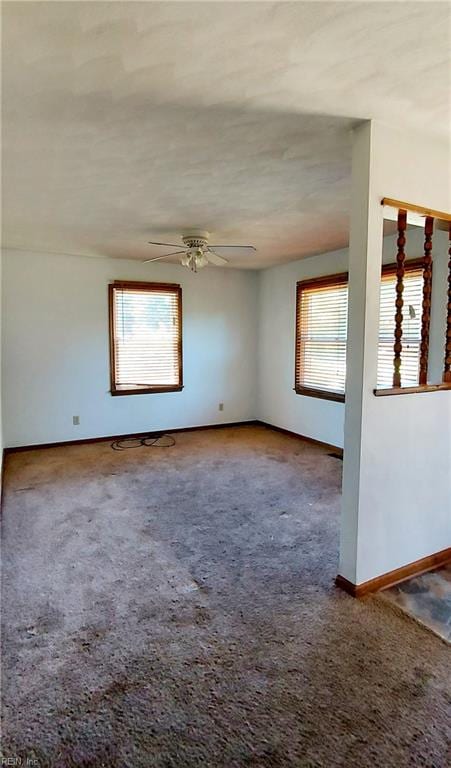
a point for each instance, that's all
(427, 599)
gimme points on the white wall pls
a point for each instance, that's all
(56, 353)
(1, 394)
(42, 289)
(397, 468)
(278, 403)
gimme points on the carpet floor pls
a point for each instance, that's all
(176, 607)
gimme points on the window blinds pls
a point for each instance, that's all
(321, 336)
(411, 328)
(321, 332)
(146, 323)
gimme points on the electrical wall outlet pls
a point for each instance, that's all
(75, 420)
(221, 407)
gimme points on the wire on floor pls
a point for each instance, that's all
(152, 440)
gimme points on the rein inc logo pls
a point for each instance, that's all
(19, 761)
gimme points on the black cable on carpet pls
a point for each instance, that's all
(152, 440)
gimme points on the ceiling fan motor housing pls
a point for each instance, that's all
(196, 239)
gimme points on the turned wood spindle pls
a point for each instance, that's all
(400, 256)
(447, 371)
(426, 307)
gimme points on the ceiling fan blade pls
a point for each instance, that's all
(166, 255)
(251, 247)
(167, 245)
(215, 258)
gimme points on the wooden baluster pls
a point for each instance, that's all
(426, 308)
(400, 256)
(447, 371)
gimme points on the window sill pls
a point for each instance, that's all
(412, 390)
(145, 390)
(337, 397)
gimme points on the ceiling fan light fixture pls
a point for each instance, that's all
(198, 252)
(202, 260)
(194, 258)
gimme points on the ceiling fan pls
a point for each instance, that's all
(197, 253)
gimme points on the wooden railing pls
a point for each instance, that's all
(400, 257)
(430, 216)
(447, 371)
(426, 306)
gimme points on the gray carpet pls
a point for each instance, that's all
(176, 607)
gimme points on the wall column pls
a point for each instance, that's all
(365, 255)
(397, 449)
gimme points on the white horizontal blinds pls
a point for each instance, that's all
(146, 334)
(411, 328)
(321, 337)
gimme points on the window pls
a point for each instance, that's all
(321, 332)
(145, 337)
(411, 327)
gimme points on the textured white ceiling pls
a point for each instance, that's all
(124, 122)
